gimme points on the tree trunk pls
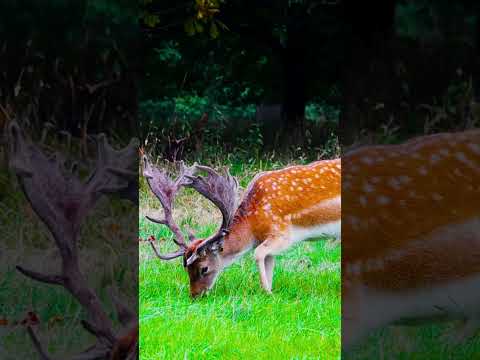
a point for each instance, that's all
(367, 75)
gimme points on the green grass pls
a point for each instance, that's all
(415, 343)
(237, 319)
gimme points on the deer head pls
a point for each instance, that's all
(62, 200)
(201, 257)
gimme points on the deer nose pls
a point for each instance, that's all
(196, 293)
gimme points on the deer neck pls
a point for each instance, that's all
(239, 241)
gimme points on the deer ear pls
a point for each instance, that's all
(217, 245)
(225, 232)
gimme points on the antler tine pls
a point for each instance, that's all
(169, 256)
(114, 168)
(220, 190)
(165, 189)
(38, 345)
(184, 173)
(124, 314)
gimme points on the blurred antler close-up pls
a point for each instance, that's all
(62, 200)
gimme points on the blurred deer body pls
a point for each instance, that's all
(279, 208)
(454, 298)
(411, 234)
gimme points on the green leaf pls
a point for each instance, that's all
(189, 27)
(198, 26)
(222, 25)
(151, 20)
(213, 30)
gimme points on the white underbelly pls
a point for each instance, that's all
(366, 309)
(298, 233)
(373, 309)
(458, 298)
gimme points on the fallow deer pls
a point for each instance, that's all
(62, 201)
(411, 234)
(279, 208)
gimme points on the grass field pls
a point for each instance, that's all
(416, 343)
(237, 320)
(301, 320)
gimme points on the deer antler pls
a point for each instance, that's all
(220, 190)
(165, 189)
(61, 200)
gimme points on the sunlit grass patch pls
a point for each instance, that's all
(301, 320)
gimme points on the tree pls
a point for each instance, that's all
(275, 48)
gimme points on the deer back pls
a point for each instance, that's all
(403, 206)
(304, 195)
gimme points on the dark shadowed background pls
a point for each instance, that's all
(69, 268)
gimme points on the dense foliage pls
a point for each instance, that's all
(402, 66)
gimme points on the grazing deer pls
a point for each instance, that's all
(411, 235)
(62, 201)
(279, 208)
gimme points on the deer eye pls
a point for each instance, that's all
(203, 270)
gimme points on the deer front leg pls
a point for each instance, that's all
(264, 255)
(261, 253)
(269, 265)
